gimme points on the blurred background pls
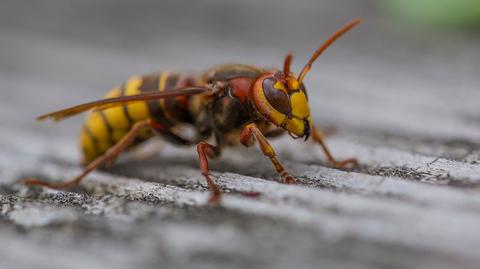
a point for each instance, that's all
(412, 67)
(402, 90)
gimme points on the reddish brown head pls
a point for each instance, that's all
(281, 96)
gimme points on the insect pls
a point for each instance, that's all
(234, 104)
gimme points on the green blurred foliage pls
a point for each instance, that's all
(459, 13)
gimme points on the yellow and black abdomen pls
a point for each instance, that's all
(104, 128)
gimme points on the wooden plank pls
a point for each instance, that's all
(406, 108)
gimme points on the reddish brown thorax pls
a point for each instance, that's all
(240, 88)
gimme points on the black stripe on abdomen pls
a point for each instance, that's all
(175, 107)
(151, 83)
(125, 107)
(109, 127)
(93, 139)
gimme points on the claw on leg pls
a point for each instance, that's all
(317, 136)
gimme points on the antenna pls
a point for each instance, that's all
(324, 46)
(286, 65)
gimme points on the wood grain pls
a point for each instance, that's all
(405, 103)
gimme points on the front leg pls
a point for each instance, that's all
(317, 136)
(246, 138)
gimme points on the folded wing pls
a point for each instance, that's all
(120, 101)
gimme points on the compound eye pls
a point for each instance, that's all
(276, 97)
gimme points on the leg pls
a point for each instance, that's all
(169, 135)
(317, 136)
(246, 138)
(206, 150)
(107, 157)
(274, 133)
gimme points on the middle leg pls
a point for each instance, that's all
(205, 151)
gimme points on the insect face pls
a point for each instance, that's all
(283, 101)
(281, 96)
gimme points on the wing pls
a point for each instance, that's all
(120, 101)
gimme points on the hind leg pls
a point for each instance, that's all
(317, 136)
(107, 157)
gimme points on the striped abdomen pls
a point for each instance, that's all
(104, 128)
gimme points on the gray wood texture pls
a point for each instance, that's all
(404, 100)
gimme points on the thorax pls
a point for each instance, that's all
(224, 114)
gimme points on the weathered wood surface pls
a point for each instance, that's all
(405, 103)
